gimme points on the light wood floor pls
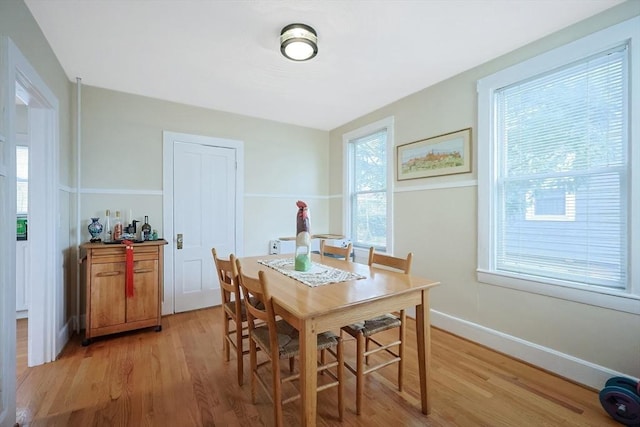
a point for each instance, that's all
(177, 377)
(21, 346)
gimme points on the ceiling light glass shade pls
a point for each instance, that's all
(298, 42)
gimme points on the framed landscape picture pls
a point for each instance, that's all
(441, 155)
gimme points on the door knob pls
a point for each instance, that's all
(179, 241)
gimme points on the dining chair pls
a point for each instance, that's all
(279, 340)
(337, 251)
(364, 331)
(233, 310)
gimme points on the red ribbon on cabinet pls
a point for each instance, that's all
(128, 277)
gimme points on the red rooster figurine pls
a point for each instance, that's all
(303, 238)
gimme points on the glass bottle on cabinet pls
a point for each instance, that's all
(117, 227)
(108, 233)
(146, 229)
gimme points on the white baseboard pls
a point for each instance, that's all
(564, 365)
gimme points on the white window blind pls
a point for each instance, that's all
(369, 190)
(561, 200)
(22, 179)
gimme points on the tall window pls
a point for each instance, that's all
(555, 188)
(369, 156)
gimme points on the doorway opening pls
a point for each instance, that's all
(42, 263)
(22, 234)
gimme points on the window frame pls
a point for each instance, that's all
(348, 181)
(627, 300)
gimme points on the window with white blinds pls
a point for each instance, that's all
(368, 192)
(22, 179)
(558, 140)
(561, 201)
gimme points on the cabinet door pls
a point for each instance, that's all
(107, 294)
(144, 303)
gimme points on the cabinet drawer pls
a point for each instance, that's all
(117, 254)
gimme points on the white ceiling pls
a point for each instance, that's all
(225, 55)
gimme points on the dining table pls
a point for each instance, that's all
(365, 292)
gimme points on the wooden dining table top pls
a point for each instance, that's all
(304, 301)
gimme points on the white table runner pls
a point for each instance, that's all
(318, 274)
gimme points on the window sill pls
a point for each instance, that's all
(599, 297)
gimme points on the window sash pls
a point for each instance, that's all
(370, 230)
(368, 192)
(555, 143)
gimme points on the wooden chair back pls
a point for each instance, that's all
(228, 277)
(258, 303)
(402, 264)
(259, 306)
(344, 252)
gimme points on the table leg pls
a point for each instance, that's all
(423, 331)
(308, 374)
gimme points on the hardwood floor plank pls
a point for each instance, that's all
(178, 377)
(21, 346)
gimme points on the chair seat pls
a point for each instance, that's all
(288, 339)
(373, 326)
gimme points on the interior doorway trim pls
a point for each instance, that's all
(168, 140)
(7, 245)
(46, 290)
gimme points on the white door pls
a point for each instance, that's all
(204, 216)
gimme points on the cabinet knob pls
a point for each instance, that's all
(179, 241)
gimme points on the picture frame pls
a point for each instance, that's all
(440, 155)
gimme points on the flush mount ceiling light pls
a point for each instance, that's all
(298, 42)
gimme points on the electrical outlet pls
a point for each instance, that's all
(274, 247)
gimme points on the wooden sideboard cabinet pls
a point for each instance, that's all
(108, 308)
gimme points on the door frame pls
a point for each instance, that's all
(7, 255)
(168, 140)
(45, 301)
